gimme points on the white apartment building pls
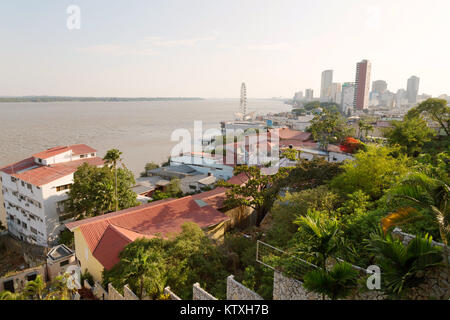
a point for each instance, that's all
(34, 191)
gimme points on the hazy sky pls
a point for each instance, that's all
(207, 48)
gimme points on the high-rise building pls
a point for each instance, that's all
(336, 89)
(401, 98)
(325, 86)
(379, 86)
(309, 94)
(362, 85)
(412, 89)
(347, 96)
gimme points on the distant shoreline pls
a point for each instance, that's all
(88, 99)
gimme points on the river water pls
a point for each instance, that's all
(141, 130)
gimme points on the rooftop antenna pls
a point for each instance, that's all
(243, 107)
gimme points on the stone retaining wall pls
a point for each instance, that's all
(113, 294)
(172, 295)
(285, 288)
(128, 294)
(237, 291)
(199, 294)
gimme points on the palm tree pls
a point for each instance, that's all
(35, 289)
(7, 295)
(112, 157)
(403, 266)
(336, 283)
(58, 289)
(142, 266)
(322, 234)
(424, 192)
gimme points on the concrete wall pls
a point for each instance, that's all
(237, 291)
(54, 268)
(20, 278)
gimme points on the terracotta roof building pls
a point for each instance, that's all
(99, 240)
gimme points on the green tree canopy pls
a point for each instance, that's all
(148, 265)
(93, 191)
(433, 109)
(410, 134)
(329, 128)
(373, 171)
(258, 192)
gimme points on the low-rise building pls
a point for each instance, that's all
(99, 240)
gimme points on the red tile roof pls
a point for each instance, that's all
(214, 198)
(40, 175)
(289, 134)
(51, 152)
(77, 149)
(240, 179)
(113, 238)
(107, 235)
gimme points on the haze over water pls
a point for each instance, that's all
(141, 130)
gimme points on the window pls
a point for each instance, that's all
(24, 225)
(92, 154)
(8, 286)
(60, 207)
(29, 186)
(82, 156)
(33, 230)
(64, 263)
(40, 160)
(64, 187)
(31, 277)
(23, 183)
(13, 179)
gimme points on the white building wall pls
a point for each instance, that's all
(51, 197)
(2, 207)
(43, 219)
(24, 210)
(62, 157)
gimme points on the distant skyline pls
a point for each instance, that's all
(200, 48)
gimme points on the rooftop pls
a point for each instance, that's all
(107, 235)
(59, 252)
(37, 174)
